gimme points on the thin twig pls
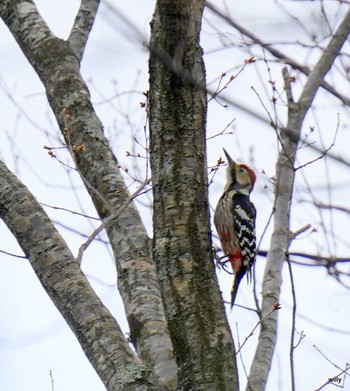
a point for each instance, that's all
(70, 211)
(107, 222)
(273, 124)
(302, 336)
(324, 153)
(223, 131)
(52, 382)
(219, 89)
(258, 308)
(326, 383)
(240, 354)
(275, 52)
(323, 355)
(13, 255)
(275, 307)
(294, 310)
(300, 231)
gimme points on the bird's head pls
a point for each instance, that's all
(239, 176)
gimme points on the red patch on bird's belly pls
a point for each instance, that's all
(236, 260)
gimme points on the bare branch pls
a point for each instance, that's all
(82, 26)
(339, 208)
(275, 52)
(107, 222)
(300, 231)
(325, 63)
(70, 211)
(275, 307)
(322, 260)
(285, 173)
(13, 255)
(292, 332)
(68, 287)
(326, 383)
(59, 70)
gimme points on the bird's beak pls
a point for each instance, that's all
(231, 162)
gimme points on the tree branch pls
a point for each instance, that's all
(82, 26)
(275, 307)
(285, 173)
(292, 332)
(324, 64)
(327, 382)
(275, 52)
(69, 98)
(109, 221)
(69, 289)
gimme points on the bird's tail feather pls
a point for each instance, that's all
(237, 279)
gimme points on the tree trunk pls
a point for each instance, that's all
(57, 63)
(182, 243)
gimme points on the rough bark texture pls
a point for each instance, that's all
(97, 331)
(182, 246)
(57, 64)
(285, 172)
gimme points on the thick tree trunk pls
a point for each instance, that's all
(57, 63)
(182, 244)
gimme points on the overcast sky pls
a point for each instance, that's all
(34, 339)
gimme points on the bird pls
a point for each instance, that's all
(234, 219)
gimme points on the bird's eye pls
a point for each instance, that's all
(241, 169)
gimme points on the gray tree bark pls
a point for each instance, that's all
(181, 246)
(200, 333)
(97, 331)
(57, 63)
(285, 173)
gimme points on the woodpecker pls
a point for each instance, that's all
(234, 219)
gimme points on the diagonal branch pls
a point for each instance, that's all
(275, 52)
(109, 221)
(69, 98)
(63, 280)
(324, 64)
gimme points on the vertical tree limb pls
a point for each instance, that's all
(181, 246)
(82, 26)
(285, 173)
